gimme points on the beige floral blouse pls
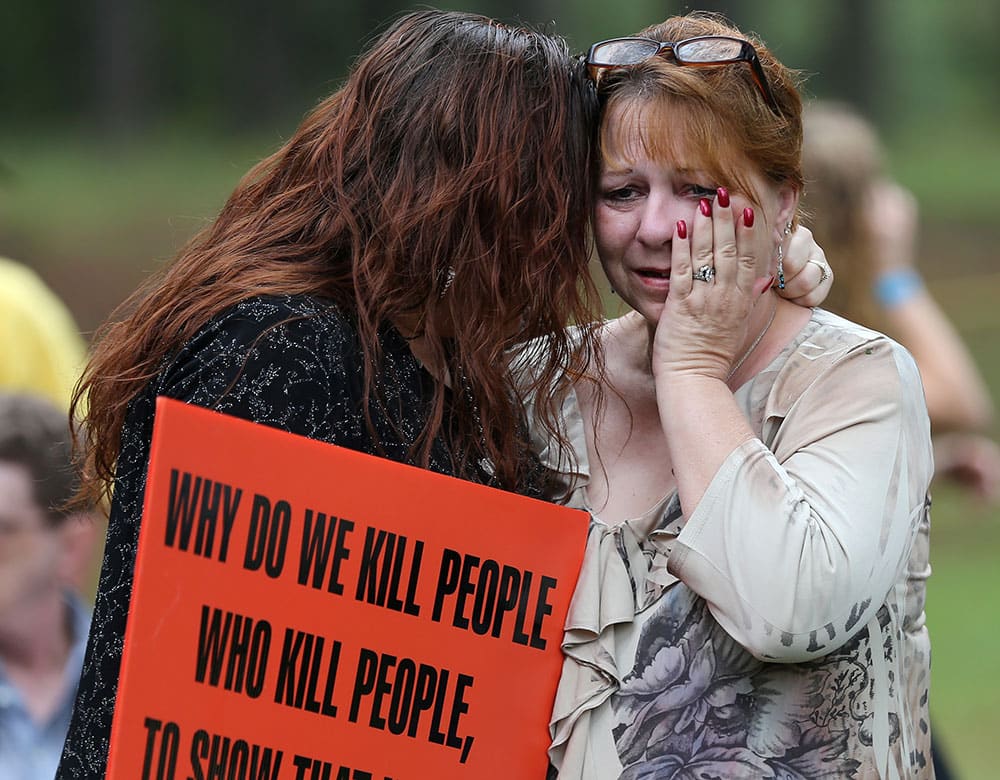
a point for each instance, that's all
(777, 632)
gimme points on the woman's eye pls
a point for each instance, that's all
(620, 194)
(697, 191)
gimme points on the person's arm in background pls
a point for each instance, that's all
(957, 397)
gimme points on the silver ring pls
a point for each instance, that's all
(705, 274)
(824, 270)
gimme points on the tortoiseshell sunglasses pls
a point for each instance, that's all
(701, 51)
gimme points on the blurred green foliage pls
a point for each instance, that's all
(123, 66)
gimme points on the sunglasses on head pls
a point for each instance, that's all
(700, 51)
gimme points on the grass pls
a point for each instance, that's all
(962, 616)
(160, 191)
(950, 167)
(95, 220)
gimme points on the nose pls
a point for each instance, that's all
(659, 218)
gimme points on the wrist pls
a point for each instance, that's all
(680, 386)
(895, 287)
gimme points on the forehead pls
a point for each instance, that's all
(17, 497)
(676, 134)
(636, 129)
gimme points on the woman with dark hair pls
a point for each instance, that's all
(361, 287)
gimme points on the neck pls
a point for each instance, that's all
(632, 335)
(761, 320)
(422, 349)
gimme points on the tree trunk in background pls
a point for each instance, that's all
(121, 72)
(375, 17)
(849, 56)
(258, 78)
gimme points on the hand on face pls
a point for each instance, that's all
(704, 324)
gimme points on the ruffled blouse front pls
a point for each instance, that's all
(778, 631)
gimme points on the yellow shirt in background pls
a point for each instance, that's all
(41, 349)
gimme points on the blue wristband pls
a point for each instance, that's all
(896, 287)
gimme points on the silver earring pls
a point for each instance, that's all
(449, 277)
(781, 257)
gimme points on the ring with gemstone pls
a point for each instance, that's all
(705, 274)
(824, 270)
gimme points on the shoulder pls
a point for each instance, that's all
(838, 375)
(553, 416)
(839, 337)
(831, 349)
(277, 318)
(287, 330)
(292, 362)
(23, 292)
(42, 346)
(18, 278)
(25, 297)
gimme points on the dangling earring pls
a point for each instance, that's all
(449, 277)
(781, 257)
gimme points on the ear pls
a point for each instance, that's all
(788, 205)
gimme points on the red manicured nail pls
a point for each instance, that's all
(705, 206)
(682, 229)
(748, 216)
(723, 194)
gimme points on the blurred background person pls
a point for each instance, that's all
(868, 226)
(41, 349)
(44, 551)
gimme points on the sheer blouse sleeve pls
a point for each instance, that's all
(802, 533)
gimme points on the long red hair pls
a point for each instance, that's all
(457, 148)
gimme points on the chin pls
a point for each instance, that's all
(650, 312)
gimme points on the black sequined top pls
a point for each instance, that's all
(292, 363)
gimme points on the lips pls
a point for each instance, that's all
(653, 273)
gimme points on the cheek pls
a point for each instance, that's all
(611, 231)
(767, 254)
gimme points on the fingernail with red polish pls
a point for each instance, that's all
(723, 194)
(705, 206)
(748, 216)
(682, 229)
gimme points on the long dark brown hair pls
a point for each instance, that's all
(457, 148)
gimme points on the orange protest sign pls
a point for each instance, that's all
(308, 612)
